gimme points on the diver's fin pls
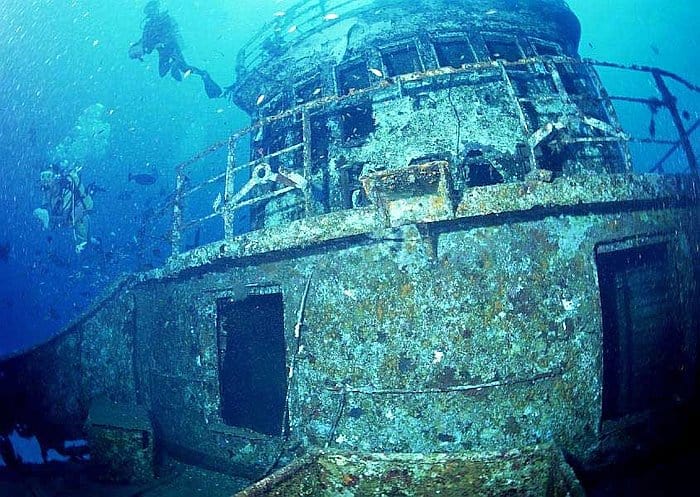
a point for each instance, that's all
(175, 73)
(213, 90)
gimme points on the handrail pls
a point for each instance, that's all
(647, 69)
(232, 201)
(668, 101)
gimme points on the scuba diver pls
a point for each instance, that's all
(160, 32)
(66, 202)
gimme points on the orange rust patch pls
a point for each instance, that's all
(350, 480)
(406, 290)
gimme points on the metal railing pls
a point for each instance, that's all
(259, 173)
(667, 101)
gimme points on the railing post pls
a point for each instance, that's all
(229, 190)
(176, 235)
(306, 136)
(670, 102)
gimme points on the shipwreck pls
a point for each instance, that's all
(435, 238)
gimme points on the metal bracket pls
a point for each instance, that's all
(262, 174)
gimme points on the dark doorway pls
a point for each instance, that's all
(642, 340)
(252, 374)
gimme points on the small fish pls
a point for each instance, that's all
(376, 72)
(187, 73)
(279, 13)
(491, 12)
(145, 179)
(318, 90)
(292, 29)
(331, 16)
(260, 99)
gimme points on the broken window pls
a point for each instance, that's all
(320, 137)
(356, 122)
(531, 84)
(278, 135)
(454, 53)
(252, 355)
(309, 90)
(508, 50)
(575, 79)
(554, 153)
(483, 173)
(642, 340)
(276, 104)
(402, 60)
(352, 77)
(546, 49)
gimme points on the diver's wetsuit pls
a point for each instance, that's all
(67, 203)
(160, 32)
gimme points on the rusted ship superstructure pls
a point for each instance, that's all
(431, 239)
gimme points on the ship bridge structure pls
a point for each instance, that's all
(435, 237)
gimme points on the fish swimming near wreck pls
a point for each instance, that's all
(145, 179)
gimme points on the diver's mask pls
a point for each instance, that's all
(46, 178)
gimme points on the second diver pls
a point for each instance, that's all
(160, 32)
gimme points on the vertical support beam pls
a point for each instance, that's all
(670, 102)
(229, 186)
(306, 133)
(178, 207)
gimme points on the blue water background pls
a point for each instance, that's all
(59, 57)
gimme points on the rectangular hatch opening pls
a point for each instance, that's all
(252, 359)
(642, 338)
